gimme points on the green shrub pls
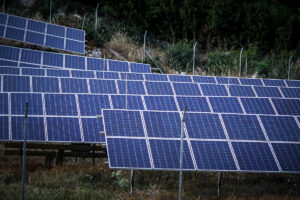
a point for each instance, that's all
(222, 63)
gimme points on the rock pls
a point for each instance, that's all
(96, 53)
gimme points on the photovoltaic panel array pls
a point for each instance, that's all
(27, 58)
(41, 33)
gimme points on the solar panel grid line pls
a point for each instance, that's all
(229, 143)
(273, 106)
(25, 32)
(2, 83)
(253, 89)
(240, 83)
(269, 143)
(89, 86)
(176, 103)
(285, 83)
(44, 117)
(5, 27)
(227, 89)
(59, 85)
(241, 104)
(263, 83)
(145, 88)
(9, 117)
(209, 105)
(79, 117)
(65, 36)
(45, 34)
(19, 57)
(200, 89)
(297, 121)
(117, 87)
(30, 83)
(147, 139)
(280, 91)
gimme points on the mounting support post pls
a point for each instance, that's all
(50, 17)
(132, 172)
(194, 56)
(240, 69)
(289, 69)
(83, 21)
(144, 47)
(219, 183)
(96, 17)
(24, 153)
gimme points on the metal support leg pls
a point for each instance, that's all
(219, 183)
(60, 157)
(131, 181)
(94, 155)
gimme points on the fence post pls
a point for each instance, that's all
(83, 21)
(240, 69)
(96, 17)
(246, 69)
(3, 5)
(24, 153)
(289, 69)
(50, 11)
(144, 47)
(194, 55)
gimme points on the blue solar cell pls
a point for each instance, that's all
(267, 91)
(160, 103)
(103, 86)
(156, 77)
(3, 18)
(36, 26)
(118, 66)
(9, 70)
(131, 87)
(291, 92)
(273, 82)
(4, 128)
(75, 62)
(288, 156)
(163, 124)
(187, 89)
(193, 104)
(16, 84)
(75, 34)
(58, 72)
(243, 127)
(225, 80)
(16, 22)
(225, 104)
(9, 53)
(287, 106)
(3, 103)
(2, 28)
(159, 88)
(281, 128)
(56, 30)
(72, 85)
(35, 104)
(35, 72)
(123, 123)
(14, 33)
(108, 75)
(8, 63)
(91, 130)
(213, 155)
(60, 104)
(257, 106)
(140, 67)
(213, 90)
(92, 105)
(35, 38)
(204, 79)
(241, 91)
(29, 65)
(293, 83)
(83, 74)
(180, 78)
(53, 59)
(128, 153)
(133, 102)
(74, 46)
(31, 56)
(250, 81)
(96, 64)
(204, 126)
(45, 84)
(254, 156)
(55, 42)
(132, 76)
(35, 128)
(63, 129)
(166, 154)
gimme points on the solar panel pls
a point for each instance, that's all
(108, 75)
(58, 73)
(159, 88)
(225, 80)
(45, 84)
(250, 81)
(118, 66)
(35, 128)
(287, 106)
(123, 123)
(34, 72)
(241, 91)
(179, 78)
(156, 77)
(92, 105)
(91, 130)
(162, 124)
(8, 63)
(35, 105)
(267, 91)
(160, 103)
(140, 67)
(9, 53)
(53, 59)
(257, 106)
(291, 92)
(96, 64)
(31, 56)
(74, 62)
(4, 128)
(131, 87)
(243, 127)
(16, 84)
(9, 70)
(71, 85)
(288, 156)
(281, 128)
(293, 83)
(34, 32)
(254, 156)
(166, 154)
(204, 126)
(198, 104)
(128, 153)
(132, 76)
(127, 102)
(3, 103)
(213, 155)
(61, 104)
(186, 89)
(274, 82)
(225, 105)
(204, 79)
(213, 90)
(103, 86)
(83, 74)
